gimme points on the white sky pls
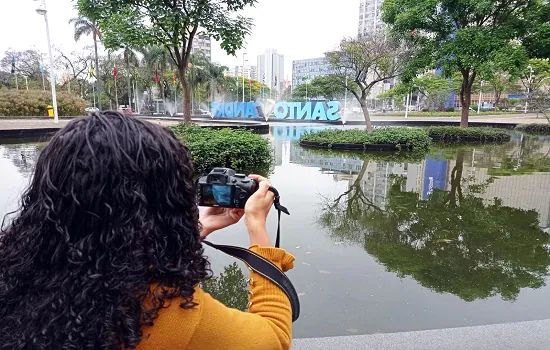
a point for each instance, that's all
(298, 29)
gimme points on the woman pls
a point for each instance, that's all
(106, 253)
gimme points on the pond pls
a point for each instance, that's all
(388, 244)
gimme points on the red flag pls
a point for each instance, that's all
(413, 33)
(157, 77)
(115, 72)
(175, 78)
(250, 82)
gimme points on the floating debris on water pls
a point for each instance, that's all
(298, 247)
(338, 243)
(305, 263)
(325, 272)
(301, 294)
(309, 253)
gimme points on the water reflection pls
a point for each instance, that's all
(452, 227)
(230, 287)
(22, 155)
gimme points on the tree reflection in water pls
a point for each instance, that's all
(230, 288)
(23, 155)
(453, 242)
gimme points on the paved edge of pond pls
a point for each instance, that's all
(520, 335)
(36, 127)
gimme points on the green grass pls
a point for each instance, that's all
(410, 138)
(536, 129)
(240, 150)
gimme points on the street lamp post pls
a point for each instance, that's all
(531, 71)
(244, 54)
(480, 96)
(41, 10)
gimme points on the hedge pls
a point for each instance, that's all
(240, 150)
(15, 103)
(379, 139)
(539, 129)
(456, 133)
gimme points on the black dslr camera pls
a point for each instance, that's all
(224, 188)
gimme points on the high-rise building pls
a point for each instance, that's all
(202, 43)
(271, 69)
(310, 68)
(250, 72)
(370, 16)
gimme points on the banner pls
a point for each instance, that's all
(315, 110)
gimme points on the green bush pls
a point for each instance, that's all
(539, 129)
(409, 138)
(449, 109)
(240, 150)
(15, 103)
(456, 133)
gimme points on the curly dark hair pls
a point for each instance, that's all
(106, 235)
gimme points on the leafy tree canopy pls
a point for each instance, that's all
(330, 87)
(173, 24)
(473, 37)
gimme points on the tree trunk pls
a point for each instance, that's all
(129, 80)
(186, 100)
(365, 109)
(466, 96)
(98, 85)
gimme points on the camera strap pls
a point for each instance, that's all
(263, 266)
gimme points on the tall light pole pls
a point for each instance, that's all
(531, 71)
(41, 10)
(244, 54)
(480, 95)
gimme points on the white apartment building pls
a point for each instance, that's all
(271, 69)
(370, 14)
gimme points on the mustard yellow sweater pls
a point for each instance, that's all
(211, 325)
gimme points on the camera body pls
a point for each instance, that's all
(224, 188)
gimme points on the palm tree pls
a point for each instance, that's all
(84, 26)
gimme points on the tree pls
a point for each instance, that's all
(472, 37)
(432, 89)
(27, 63)
(83, 25)
(500, 81)
(452, 242)
(330, 87)
(366, 61)
(172, 24)
(537, 32)
(75, 67)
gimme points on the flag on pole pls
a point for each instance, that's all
(41, 69)
(237, 81)
(13, 65)
(250, 82)
(175, 78)
(115, 72)
(91, 70)
(157, 77)
(305, 77)
(275, 84)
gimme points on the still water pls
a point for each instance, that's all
(387, 244)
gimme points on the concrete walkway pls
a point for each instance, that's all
(516, 336)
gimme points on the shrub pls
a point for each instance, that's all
(540, 129)
(34, 103)
(240, 150)
(449, 109)
(394, 138)
(456, 133)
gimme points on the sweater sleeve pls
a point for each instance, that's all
(267, 325)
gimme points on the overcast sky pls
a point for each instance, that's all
(298, 29)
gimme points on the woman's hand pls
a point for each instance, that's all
(213, 219)
(256, 210)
